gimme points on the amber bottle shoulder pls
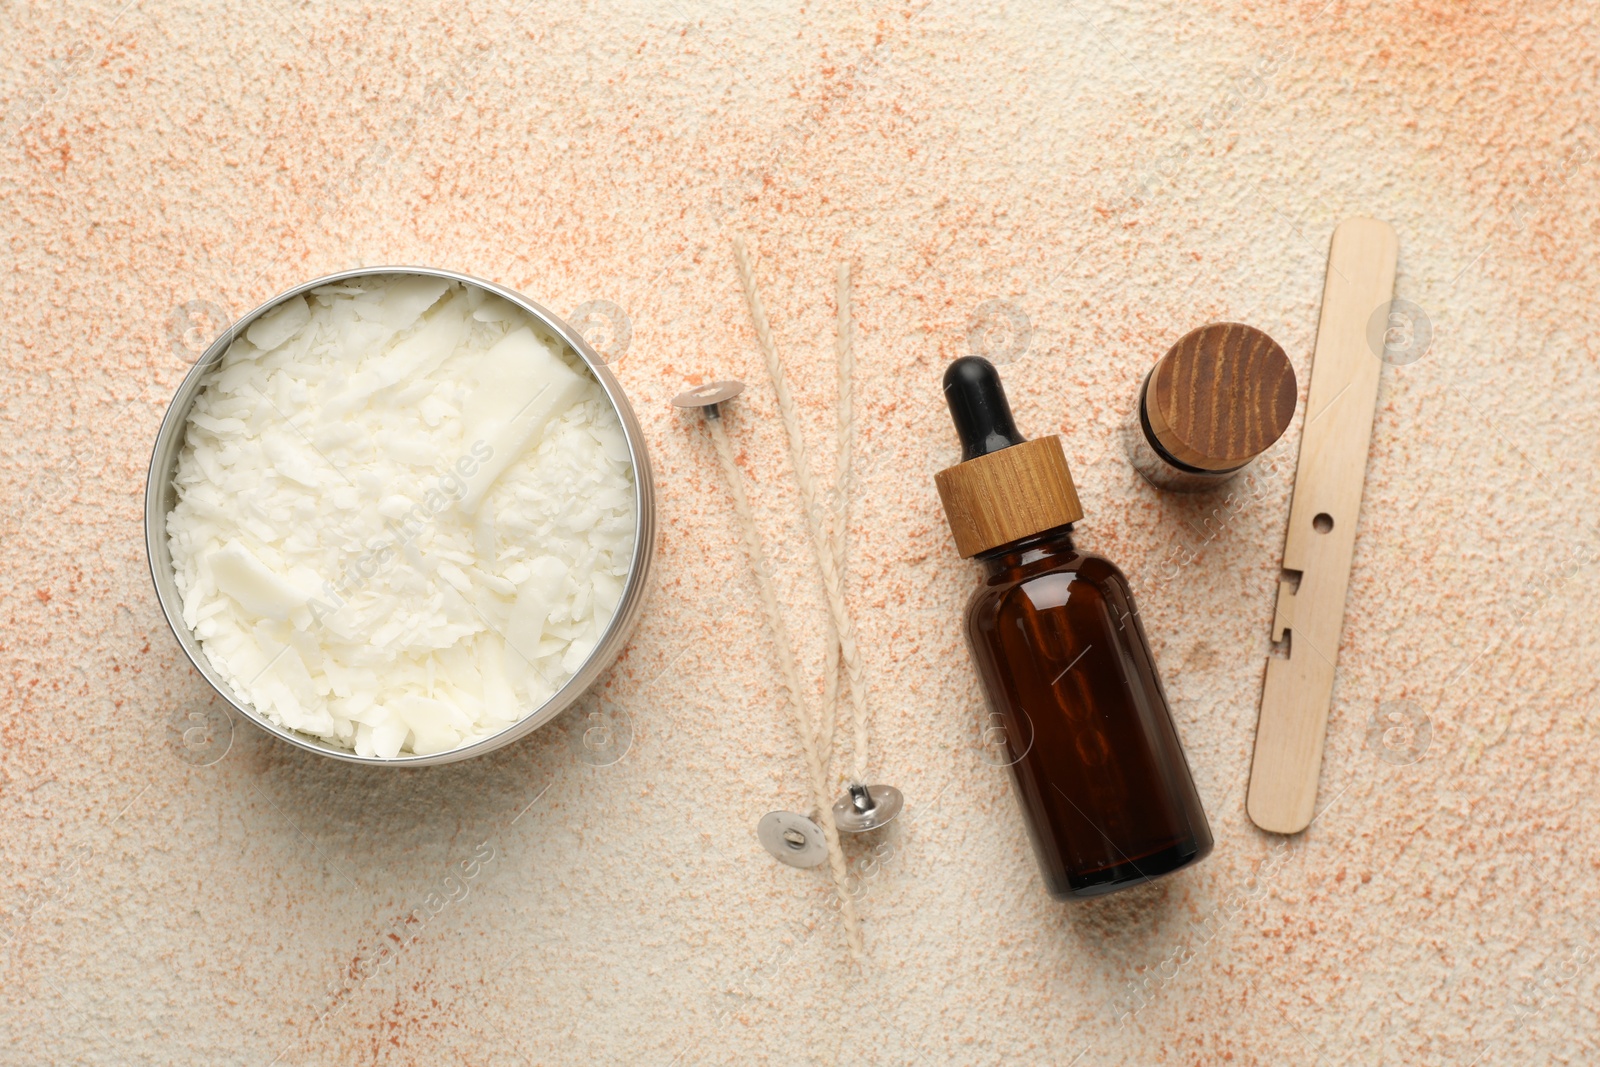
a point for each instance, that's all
(1008, 575)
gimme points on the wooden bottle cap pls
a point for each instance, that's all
(1220, 396)
(1008, 495)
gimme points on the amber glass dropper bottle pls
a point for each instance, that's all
(1099, 771)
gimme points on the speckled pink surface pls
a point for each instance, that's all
(1115, 174)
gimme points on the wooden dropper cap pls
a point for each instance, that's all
(1220, 397)
(1008, 487)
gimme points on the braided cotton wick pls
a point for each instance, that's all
(844, 353)
(823, 549)
(844, 431)
(791, 682)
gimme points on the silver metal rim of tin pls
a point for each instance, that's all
(867, 807)
(160, 496)
(792, 839)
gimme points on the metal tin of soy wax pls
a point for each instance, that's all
(1222, 395)
(160, 497)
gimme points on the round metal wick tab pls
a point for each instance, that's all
(708, 396)
(867, 807)
(792, 839)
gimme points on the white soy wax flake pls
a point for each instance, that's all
(405, 515)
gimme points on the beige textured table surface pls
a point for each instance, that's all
(1070, 184)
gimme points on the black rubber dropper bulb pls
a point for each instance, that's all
(979, 407)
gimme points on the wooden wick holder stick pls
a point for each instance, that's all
(1321, 540)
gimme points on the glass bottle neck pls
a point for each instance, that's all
(1045, 546)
